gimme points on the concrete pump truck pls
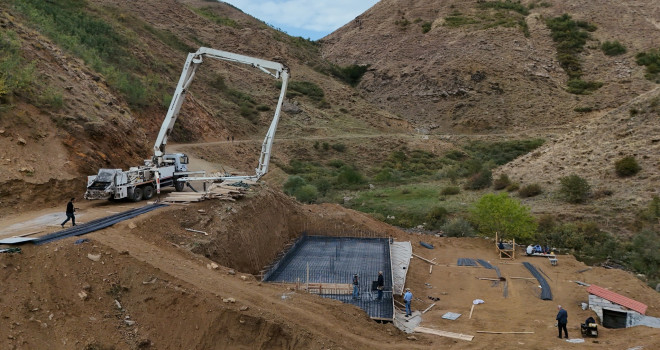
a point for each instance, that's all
(163, 169)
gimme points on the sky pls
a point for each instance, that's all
(310, 19)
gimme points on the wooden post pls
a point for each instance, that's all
(307, 277)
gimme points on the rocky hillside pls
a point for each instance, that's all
(471, 66)
(96, 79)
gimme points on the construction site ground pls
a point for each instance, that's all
(148, 283)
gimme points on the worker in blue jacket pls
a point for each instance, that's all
(407, 297)
(562, 320)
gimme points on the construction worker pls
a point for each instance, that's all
(562, 320)
(407, 297)
(355, 286)
(69, 213)
(380, 285)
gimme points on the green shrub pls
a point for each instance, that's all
(208, 13)
(502, 152)
(322, 185)
(514, 186)
(530, 190)
(458, 228)
(351, 74)
(15, 75)
(456, 19)
(613, 48)
(263, 108)
(51, 98)
(349, 176)
(436, 217)
(651, 60)
(307, 194)
(292, 184)
(504, 5)
(481, 180)
(581, 87)
(627, 166)
(450, 191)
(500, 213)
(501, 182)
(306, 88)
(426, 27)
(570, 37)
(336, 163)
(645, 254)
(652, 212)
(574, 189)
(325, 146)
(339, 147)
(583, 109)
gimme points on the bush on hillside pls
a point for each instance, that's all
(480, 180)
(530, 190)
(307, 194)
(627, 166)
(651, 60)
(501, 182)
(613, 48)
(574, 189)
(292, 184)
(458, 228)
(436, 217)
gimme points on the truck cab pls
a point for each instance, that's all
(179, 160)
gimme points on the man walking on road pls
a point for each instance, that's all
(408, 298)
(562, 320)
(69, 213)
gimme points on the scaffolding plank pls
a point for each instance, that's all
(444, 333)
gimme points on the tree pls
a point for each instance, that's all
(574, 189)
(504, 215)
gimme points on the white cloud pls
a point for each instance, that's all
(318, 16)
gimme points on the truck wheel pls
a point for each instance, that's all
(148, 192)
(137, 194)
(178, 185)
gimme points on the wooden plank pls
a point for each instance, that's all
(522, 278)
(427, 260)
(430, 269)
(471, 309)
(29, 234)
(487, 279)
(444, 333)
(191, 230)
(428, 308)
(488, 332)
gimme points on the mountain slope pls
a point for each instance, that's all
(477, 70)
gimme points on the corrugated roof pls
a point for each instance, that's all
(617, 298)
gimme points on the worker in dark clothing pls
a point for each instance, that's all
(381, 285)
(562, 320)
(355, 286)
(69, 213)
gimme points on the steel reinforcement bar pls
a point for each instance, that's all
(97, 224)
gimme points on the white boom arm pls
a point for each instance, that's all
(274, 69)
